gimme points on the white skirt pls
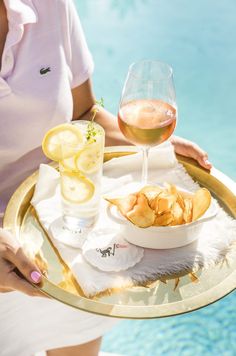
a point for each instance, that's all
(32, 324)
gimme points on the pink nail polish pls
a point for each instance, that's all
(35, 276)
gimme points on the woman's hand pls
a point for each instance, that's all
(190, 149)
(15, 267)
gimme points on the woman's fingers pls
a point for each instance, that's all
(16, 269)
(24, 265)
(15, 282)
(194, 151)
(12, 281)
(202, 159)
(190, 149)
(5, 290)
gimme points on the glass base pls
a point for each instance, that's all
(71, 231)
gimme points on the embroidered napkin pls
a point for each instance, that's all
(212, 245)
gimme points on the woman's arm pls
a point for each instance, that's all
(83, 103)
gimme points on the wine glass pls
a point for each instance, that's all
(147, 112)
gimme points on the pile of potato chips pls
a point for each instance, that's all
(157, 206)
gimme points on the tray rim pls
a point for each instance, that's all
(222, 185)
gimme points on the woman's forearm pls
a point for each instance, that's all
(109, 122)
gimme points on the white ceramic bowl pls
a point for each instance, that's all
(163, 237)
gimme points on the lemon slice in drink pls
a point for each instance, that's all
(90, 158)
(75, 188)
(61, 142)
(69, 164)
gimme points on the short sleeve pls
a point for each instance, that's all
(77, 54)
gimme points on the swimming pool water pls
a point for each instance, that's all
(208, 332)
(198, 39)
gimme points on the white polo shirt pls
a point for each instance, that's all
(45, 55)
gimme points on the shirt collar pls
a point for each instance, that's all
(20, 12)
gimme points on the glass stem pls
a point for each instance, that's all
(145, 151)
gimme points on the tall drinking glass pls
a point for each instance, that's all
(148, 112)
(80, 184)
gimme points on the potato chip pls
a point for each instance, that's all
(163, 219)
(171, 189)
(165, 202)
(153, 203)
(188, 208)
(124, 204)
(177, 214)
(180, 200)
(201, 202)
(141, 215)
(151, 192)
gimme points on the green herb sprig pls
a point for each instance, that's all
(91, 130)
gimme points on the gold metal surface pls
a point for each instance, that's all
(168, 297)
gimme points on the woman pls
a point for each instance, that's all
(44, 81)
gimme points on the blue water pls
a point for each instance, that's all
(198, 39)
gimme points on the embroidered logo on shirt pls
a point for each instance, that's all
(44, 70)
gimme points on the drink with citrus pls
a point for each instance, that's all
(78, 147)
(81, 177)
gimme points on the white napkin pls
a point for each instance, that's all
(213, 244)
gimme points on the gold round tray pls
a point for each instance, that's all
(166, 297)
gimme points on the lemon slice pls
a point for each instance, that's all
(69, 164)
(76, 188)
(90, 158)
(62, 141)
